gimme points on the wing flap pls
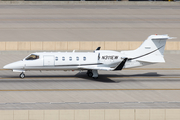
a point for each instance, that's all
(96, 68)
(118, 67)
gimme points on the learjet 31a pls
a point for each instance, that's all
(151, 51)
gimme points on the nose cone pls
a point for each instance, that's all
(15, 65)
(8, 66)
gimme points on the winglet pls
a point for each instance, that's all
(121, 64)
(98, 48)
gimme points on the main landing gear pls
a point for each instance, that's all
(92, 73)
(22, 75)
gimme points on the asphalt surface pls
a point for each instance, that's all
(74, 90)
(155, 86)
(88, 22)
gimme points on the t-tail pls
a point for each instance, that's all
(151, 50)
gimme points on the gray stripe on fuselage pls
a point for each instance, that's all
(145, 54)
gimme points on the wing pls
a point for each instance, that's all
(95, 68)
(118, 67)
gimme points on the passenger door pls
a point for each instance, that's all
(48, 60)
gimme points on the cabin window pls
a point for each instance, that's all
(77, 58)
(70, 58)
(56, 58)
(32, 57)
(84, 58)
(63, 58)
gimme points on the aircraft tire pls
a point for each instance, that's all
(22, 75)
(90, 74)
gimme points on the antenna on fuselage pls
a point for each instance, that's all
(98, 48)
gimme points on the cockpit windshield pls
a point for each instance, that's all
(32, 57)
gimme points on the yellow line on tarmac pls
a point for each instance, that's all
(141, 69)
(160, 77)
(79, 89)
(144, 77)
(42, 78)
(152, 69)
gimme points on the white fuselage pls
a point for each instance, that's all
(150, 52)
(72, 61)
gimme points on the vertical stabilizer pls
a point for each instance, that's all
(151, 50)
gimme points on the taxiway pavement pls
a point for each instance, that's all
(83, 22)
(155, 86)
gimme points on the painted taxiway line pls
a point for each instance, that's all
(153, 69)
(117, 102)
(18, 90)
(137, 69)
(159, 77)
(100, 78)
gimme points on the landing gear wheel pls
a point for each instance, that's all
(90, 74)
(22, 75)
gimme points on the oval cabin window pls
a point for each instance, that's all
(63, 58)
(77, 58)
(70, 58)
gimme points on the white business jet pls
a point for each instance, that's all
(151, 51)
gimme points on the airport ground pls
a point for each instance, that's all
(155, 86)
(116, 21)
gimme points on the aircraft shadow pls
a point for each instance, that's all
(107, 78)
(149, 74)
(100, 78)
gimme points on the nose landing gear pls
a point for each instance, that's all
(22, 75)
